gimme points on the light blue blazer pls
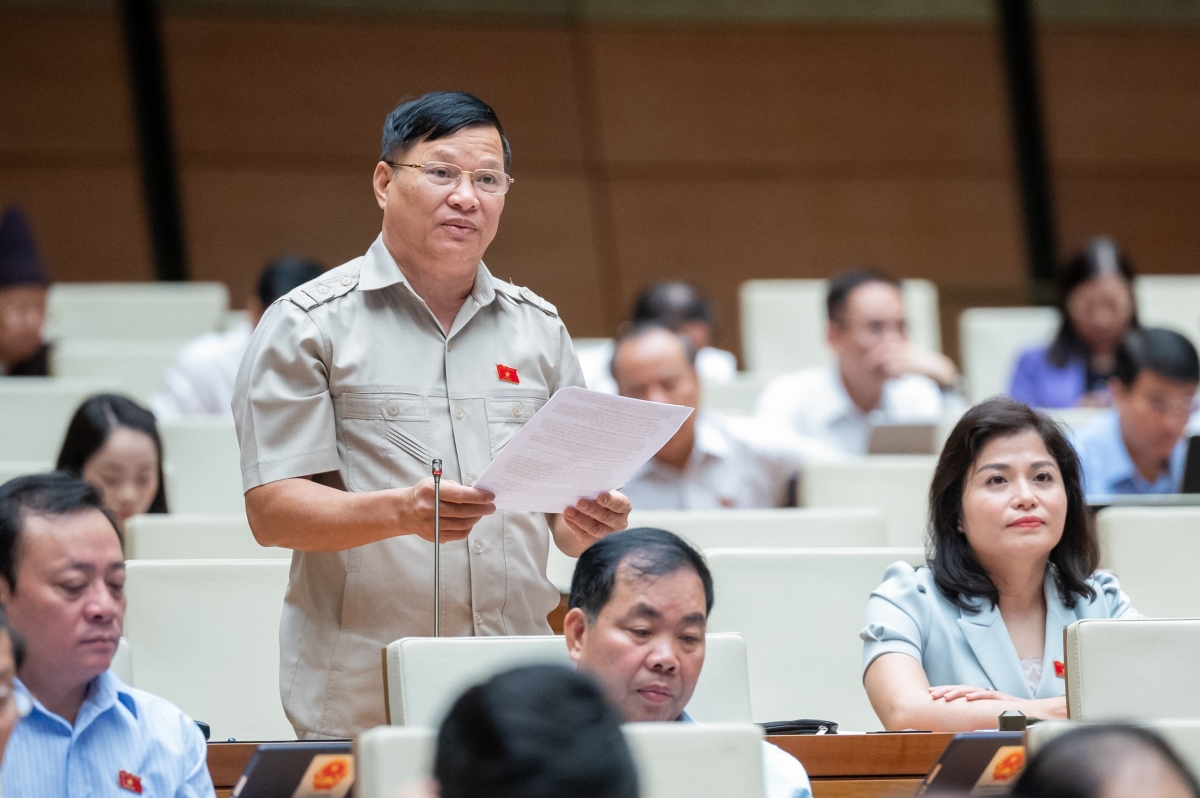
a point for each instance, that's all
(908, 614)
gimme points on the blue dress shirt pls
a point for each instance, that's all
(1107, 468)
(118, 728)
(908, 614)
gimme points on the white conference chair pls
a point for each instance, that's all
(1153, 552)
(737, 397)
(896, 484)
(1183, 735)
(178, 536)
(122, 663)
(204, 634)
(783, 322)
(156, 311)
(1138, 669)
(1075, 418)
(35, 411)
(202, 465)
(800, 611)
(10, 469)
(674, 760)
(138, 363)
(1169, 300)
(991, 341)
(789, 528)
(424, 675)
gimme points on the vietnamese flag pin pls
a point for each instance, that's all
(507, 374)
(1060, 670)
(128, 781)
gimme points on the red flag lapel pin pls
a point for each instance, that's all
(507, 374)
(1060, 670)
(128, 781)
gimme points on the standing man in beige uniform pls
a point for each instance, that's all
(355, 382)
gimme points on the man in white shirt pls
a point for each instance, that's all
(640, 601)
(712, 461)
(200, 381)
(679, 307)
(878, 376)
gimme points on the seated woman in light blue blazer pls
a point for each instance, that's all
(1012, 562)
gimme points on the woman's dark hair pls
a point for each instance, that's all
(956, 570)
(97, 418)
(672, 303)
(542, 731)
(1100, 258)
(1080, 762)
(434, 116)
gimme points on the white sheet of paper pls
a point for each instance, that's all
(580, 444)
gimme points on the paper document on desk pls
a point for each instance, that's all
(580, 444)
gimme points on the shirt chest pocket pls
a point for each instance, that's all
(506, 415)
(386, 437)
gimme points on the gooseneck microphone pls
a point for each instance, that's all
(437, 548)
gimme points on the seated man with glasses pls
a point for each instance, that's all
(1139, 447)
(62, 584)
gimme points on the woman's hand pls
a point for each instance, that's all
(953, 692)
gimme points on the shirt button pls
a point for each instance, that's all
(449, 346)
(470, 480)
(458, 412)
(517, 410)
(393, 410)
(478, 547)
(346, 281)
(478, 618)
(322, 289)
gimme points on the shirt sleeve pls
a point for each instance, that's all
(783, 774)
(197, 782)
(569, 372)
(1109, 592)
(894, 614)
(281, 404)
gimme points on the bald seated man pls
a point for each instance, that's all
(713, 461)
(639, 609)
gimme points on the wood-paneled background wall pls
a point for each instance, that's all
(711, 152)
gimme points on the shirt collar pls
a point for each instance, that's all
(104, 692)
(379, 270)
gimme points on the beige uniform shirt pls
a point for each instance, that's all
(353, 373)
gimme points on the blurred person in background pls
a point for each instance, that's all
(112, 443)
(712, 461)
(62, 583)
(1112, 761)
(678, 307)
(540, 731)
(14, 705)
(639, 607)
(1011, 562)
(878, 375)
(1097, 305)
(23, 286)
(200, 380)
(1139, 446)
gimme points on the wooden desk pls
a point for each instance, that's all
(871, 765)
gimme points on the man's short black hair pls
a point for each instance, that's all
(55, 493)
(434, 116)
(642, 328)
(842, 285)
(648, 551)
(1165, 352)
(540, 731)
(282, 275)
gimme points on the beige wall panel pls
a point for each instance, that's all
(1154, 219)
(1122, 97)
(955, 232)
(277, 87)
(238, 220)
(88, 221)
(63, 84)
(812, 94)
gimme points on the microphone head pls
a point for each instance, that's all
(437, 468)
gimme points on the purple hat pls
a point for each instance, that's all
(19, 262)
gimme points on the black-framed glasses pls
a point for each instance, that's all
(487, 181)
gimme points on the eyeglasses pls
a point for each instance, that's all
(488, 181)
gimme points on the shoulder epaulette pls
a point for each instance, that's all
(323, 289)
(522, 294)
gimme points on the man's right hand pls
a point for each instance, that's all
(461, 509)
